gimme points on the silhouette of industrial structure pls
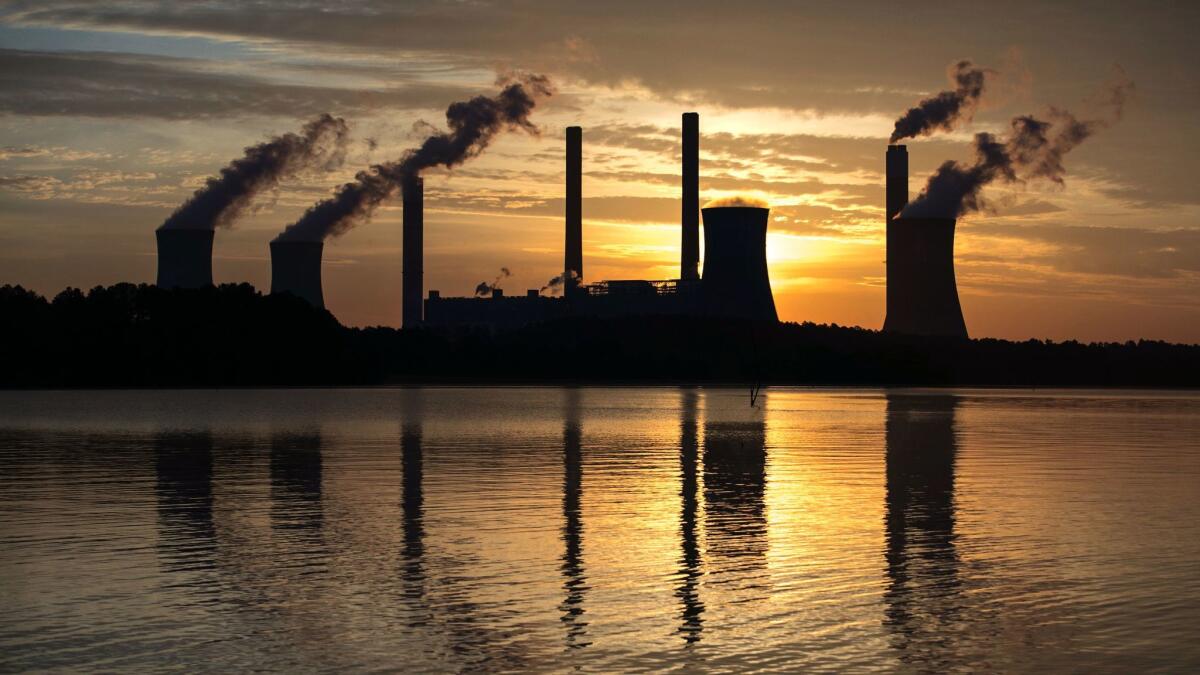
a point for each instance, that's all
(296, 269)
(184, 258)
(735, 282)
(922, 296)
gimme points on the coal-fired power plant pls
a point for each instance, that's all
(184, 258)
(296, 269)
(735, 283)
(922, 295)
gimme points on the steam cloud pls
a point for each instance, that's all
(320, 144)
(473, 124)
(557, 282)
(484, 288)
(1035, 149)
(943, 111)
(737, 200)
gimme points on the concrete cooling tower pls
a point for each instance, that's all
(735, 283)
(296, 269)
(184, 258)
(922, 297)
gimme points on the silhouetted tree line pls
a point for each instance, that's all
(232, 335)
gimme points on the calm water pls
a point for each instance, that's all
(603, 529)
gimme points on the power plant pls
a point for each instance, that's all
(735, 283)
(922, 296)
(184, 257)
(296, 269)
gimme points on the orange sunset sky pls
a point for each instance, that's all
(112, 113)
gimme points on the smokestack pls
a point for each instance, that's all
(184, 258)
(897, 179)
(736, 283)
(296, 269)
(689, 260)
(573, 259)
(412, 276)
(922, 297)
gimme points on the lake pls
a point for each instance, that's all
(604, 529)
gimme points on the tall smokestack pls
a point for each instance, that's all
(296, 269)
(897, 179)
(184, 258)
(689, 259)
(414, 265)
(573, 259)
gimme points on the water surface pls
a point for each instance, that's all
(457, 529)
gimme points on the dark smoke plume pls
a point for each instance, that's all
(484, 288)
(943, 111)
(321, 143)
(1034, 150)
(473, 124)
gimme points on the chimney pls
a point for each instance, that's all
(573, 262)
(184, 258)
(497, 293)
(533, 293)
(689, 260)
(413, 271)
(736, 283)
(897, 179)
(922, 297)
(296, 269)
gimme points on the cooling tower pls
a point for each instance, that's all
(735, 282)
(296, 269)
(184, 258)
(573, 259)
(897, 179)
(412, 276)
(922, 297)
(689, 256)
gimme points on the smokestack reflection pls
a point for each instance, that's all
(574, 580)
(296, 473)
(183, 490)
(413, 498)
(922, 562)
(690, 560)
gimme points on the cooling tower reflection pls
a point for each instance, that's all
(183, 467)
(735, 483)
(923, 597)
(295, 479)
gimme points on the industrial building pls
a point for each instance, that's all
(922, 296)
(735, 282)
(296, 269)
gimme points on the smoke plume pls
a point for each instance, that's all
(943, 111)
(320, 144)
(484, 288)
(1034, 150)
(473, 124)
(555, 284)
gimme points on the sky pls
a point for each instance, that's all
(112, 113)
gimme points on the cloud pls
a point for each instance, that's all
(93, 84)
(1115, 251)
